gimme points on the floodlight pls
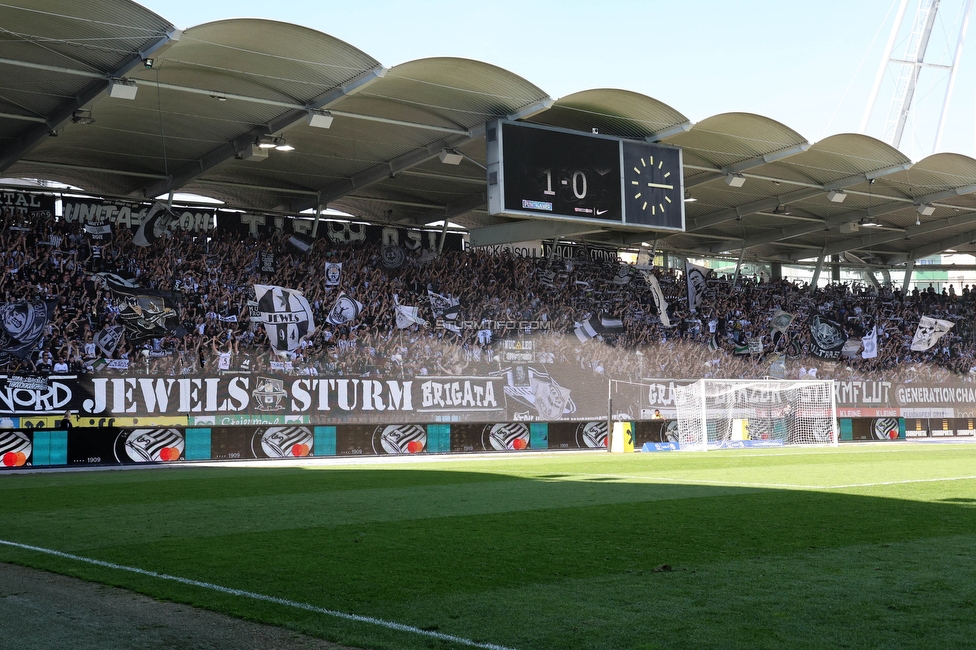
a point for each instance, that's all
(735, 180)
(122, 89)
(451, 156)
(319, 119)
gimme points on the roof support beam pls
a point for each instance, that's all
(761, 205)
(100, 81)
(766, 158)
(934, 248)
(450, 211)
(806, 228)
(87, 168)
(447, 213)
(384, 170)
(528, 230)
(23, 118)
(857, 215)
(231, 149)
(381, 171)
(743, 165)
(532, 109)
(883, 237)
(670, 131)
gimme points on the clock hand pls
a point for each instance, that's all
(661, 185)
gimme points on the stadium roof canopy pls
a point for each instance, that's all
(204, 96)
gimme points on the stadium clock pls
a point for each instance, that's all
(652, 185)
(542, 172)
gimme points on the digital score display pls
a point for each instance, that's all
(542, 172)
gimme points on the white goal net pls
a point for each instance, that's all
(724, 413)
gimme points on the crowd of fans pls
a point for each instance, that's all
(211, 279)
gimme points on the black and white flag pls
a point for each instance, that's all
(443, 306)
(286, 315)
(406, 315)
(624, 274)
(659, 300)
(696, 278)
(870, 343)
(598, 326)
(780, 321)
(333, 274)
(929, 331)
(154, 225)
(106, 340)
(345, 310)
(21, 325)
(98, 231)
(146, 313)
(827, 337)
(298, 244)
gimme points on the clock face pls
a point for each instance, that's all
(653, 192)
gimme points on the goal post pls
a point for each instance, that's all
(729, 413)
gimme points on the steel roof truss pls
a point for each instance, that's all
(231, 149)
(383, 170)
(734, 214)
(38, 134)
(935, 247)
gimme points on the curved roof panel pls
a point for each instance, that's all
(845, 156)
(620, 113)
(216, 90)
(723, 140)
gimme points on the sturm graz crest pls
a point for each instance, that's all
(15, 448)
(392, 257)
(282, 442)
(513, 436)
(149, 446)
(670, 432)
(270, 394)
(592, 435)
(399, 439)
(885, 428)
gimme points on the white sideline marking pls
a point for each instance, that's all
(913, 480)
(697, 481)
(269, 599)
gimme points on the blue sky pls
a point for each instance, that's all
(809, 65)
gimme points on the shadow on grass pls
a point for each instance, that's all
(475, 552)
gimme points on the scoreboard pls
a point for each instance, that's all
(543, 172)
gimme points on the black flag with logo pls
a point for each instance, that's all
(827, 337)
(22, 324)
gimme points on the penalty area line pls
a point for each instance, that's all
(400, 627)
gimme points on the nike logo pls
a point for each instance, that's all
(600, 212)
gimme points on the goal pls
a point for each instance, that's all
(725, 413)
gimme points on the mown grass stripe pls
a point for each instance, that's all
(792, 486)
(400, 627)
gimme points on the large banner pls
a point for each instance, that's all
(25, 206)
(520, 393)
(340, 233)
(134, 215)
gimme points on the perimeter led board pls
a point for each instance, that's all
(541, 172)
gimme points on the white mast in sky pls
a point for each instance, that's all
(910, 64)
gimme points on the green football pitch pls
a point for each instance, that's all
(857, 546)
